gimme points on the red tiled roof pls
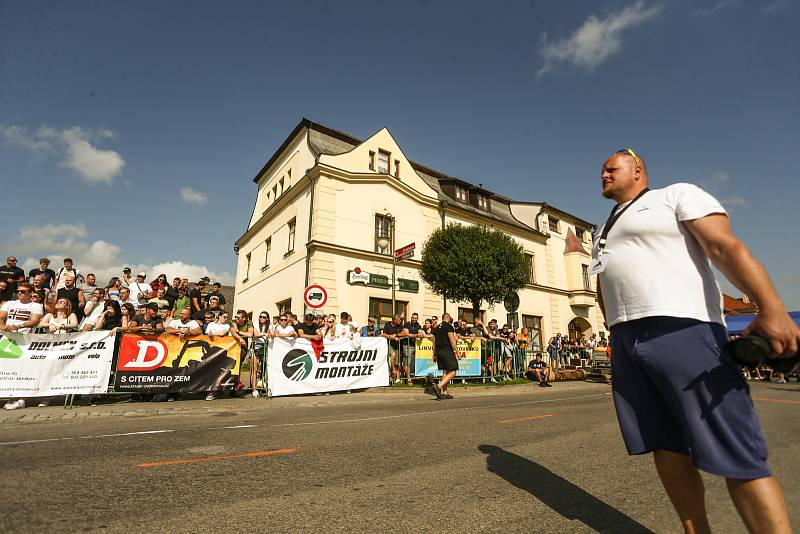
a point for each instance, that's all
(573, 244)
(734, 306)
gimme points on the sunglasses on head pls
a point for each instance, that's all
(631, 153)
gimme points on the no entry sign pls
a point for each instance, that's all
(315, 296)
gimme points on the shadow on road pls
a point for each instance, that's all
(564, 497)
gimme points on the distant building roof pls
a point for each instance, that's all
(734, 306)
(573, 244)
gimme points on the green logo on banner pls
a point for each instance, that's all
(9, 349)
(297, 365)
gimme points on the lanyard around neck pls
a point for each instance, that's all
(613, 218)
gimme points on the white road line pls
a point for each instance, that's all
(309, 423)
(414, 414)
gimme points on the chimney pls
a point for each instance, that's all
(746, 299)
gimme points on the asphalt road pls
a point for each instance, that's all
(511, 459)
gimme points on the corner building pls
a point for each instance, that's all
(326, 198)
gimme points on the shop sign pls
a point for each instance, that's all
(411, 286)
(368, 279)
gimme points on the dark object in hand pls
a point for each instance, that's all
(752, 351)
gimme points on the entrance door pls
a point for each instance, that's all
(381, 310)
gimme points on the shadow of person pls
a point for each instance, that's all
(710, 387)
(559, 494)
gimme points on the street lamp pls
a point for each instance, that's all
(385, 241)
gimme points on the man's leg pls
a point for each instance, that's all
(760, 503)
(447, 377)
(685, 489)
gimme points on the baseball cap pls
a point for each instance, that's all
(142, 274)
(371, 320)
(126, 270)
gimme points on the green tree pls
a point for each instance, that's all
(473, 264)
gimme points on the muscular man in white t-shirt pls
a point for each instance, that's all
(184, 326)
(675, 394)
(23, 314)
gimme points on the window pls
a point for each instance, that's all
(579, 233)
(290, 242)
(585, 273)
(383, 161)
(532, 266)
(397, 169)
(534, 325)
(267, 251)
(462, 194)
(483, 202)
(552, 223)
(247, 266)
(371, 160)
(284, 306)
(469, 315)
(383, 228)
(381, 310)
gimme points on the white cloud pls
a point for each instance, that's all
(779, 5)
(716, 8)
(77, 147)
(596, 40)
(57, 241)
(193, 197)
(733, 201)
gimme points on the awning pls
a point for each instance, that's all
(737, 323)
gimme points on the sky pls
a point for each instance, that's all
(130, 132)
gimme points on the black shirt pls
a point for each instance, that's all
(537, 364)
(413, 328)
(171, 295)
(309, 330)
(195, 294)
(442, 340)
(72, 296)
(10, 275)
(463, 331)
(154, 322)
(392, 329)
(49, 276)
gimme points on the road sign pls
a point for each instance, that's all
(511, 303)
(513, 320)
(315, 296)
(405, 252)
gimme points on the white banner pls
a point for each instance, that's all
(41, 365)
(295, 368)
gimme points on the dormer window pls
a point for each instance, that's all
(462, 194)
(483, 202)
(383, 162)
(579, 233)
(552, 224)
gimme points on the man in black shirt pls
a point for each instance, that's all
(196, 300)
(44, 269)
(149, 322)
(11, 275)
(308, 329)
(171, 295)
(216, 287)
(538, 371)
(72, 294)
(393, 331)
(412, 330)
(444, 351)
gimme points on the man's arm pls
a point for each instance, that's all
(3, 316)
(81, 299)
(742, 269)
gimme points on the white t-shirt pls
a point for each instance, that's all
(19, 313)
(653, 265)
(342, 330)
(284, 330)
(140, 291)
(217, 329)
(191, 324)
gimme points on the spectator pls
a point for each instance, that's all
(213, 308)
(11, 275)
(22, 314)
(93, 309)
(342, 328)
(4, 295)
(507, 339)
(462, 331)
(242, 330)
(308, 330)
(125, 297)
(171, 294)
(88, 286)
(147, 322)
(220, 327)
(369, 329)
(477, 330)
(160, 299)
(126, 279)
(113, 288)
(427, 328)
(330, 328)
(412, 331)
(196, 297)
(45, 271)
(39, 290)
(215, 292)
(110, 318)
(208, 318)
(553, 348)
(61, 320)
(445, 350)
(261, 331)
(181, 302)
(128, 311)
(292, 320)
(393, 331)
(158, 283)
(140, 291)
(72, 294)
(184, 326)
(68, 269)
(185, 284)
(283, 329)
(538, 371)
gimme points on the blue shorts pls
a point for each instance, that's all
(674, 391)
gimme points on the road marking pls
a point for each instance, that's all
(779, 401)
(530, 418)
(85, 437)
(218, 458)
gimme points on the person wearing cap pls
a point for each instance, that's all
(309, 330)
(148, 321)
(140, 290)
(369, 330)
(126, 280)
(68, 269)
(48, 274)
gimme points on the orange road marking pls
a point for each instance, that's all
(779, 401)
(215, 458)
(531, 418)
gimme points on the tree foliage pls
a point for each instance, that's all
(473, 264)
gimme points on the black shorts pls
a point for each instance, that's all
(446, 359)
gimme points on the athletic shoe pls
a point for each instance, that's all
(42, 405)
(438, 391)
(781, 381)
(447, 395)
(396, 380)
(209, 397)
(255, 394)
(13, 405)
(493, 380)
(548, 385)
(260, 384)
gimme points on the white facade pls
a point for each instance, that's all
(332, 187)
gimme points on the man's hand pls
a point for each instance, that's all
(779, 329)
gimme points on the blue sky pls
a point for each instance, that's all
(135, 129)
